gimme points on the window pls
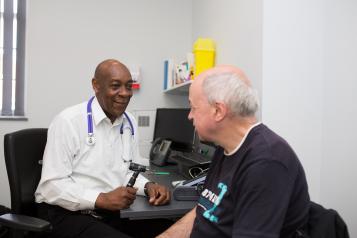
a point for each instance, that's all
(12, 58)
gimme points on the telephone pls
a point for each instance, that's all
(160, 151)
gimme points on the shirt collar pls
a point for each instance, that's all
(99, 115)
(242, 141)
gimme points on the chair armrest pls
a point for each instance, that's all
(22, 222)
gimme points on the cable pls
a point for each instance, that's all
(196, 171)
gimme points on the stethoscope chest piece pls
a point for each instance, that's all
(90, 140)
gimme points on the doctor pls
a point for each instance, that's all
(85, 164)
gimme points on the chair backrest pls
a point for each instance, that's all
(325, 223)
(23, 156)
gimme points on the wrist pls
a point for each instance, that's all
(100, 201)
(146, 187)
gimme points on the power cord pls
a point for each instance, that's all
(196, 171)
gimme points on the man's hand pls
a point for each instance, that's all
(119, 198)
(158, 194)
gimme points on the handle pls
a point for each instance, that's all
(133, 179)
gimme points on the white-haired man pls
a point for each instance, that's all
(256, 186)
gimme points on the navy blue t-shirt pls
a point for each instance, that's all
(259, 191)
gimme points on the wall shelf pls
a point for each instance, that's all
(180, 89)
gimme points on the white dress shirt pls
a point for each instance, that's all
(75, 173)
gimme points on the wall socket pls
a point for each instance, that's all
(143, 121)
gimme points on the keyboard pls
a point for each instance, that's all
(194, 157)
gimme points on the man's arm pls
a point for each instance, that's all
(182, 228)
(56, 185)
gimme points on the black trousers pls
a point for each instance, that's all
(68, 224)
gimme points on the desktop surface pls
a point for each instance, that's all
(190, 164)
(141, 209)
(195, 157)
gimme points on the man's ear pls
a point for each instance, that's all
(221, 111)
(95, 85)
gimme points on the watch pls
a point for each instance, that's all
(146, 188)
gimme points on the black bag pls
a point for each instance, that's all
(4, 233)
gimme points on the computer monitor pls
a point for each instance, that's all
(173, 124)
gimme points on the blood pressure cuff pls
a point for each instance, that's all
(188, 193)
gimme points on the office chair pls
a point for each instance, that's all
(23, 157)
(325, 223)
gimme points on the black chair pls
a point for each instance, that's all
(325, 223)
(23, 157)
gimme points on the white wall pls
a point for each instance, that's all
(292, 79)
(339, 137)
(67, 39)
(309, 85)
(236, 27)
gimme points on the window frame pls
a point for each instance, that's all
(13, 80)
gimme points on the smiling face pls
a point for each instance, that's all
(112, 84)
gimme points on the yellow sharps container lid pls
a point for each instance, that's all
(206, 44)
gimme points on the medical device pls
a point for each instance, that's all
(137, 168)
(90, 138)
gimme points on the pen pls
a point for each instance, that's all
(161, 173)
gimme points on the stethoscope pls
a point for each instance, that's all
(90, 137)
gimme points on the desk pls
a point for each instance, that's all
(141, 209)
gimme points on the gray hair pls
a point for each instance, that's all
(241, 99)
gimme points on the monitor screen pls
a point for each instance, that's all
(173, 124)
